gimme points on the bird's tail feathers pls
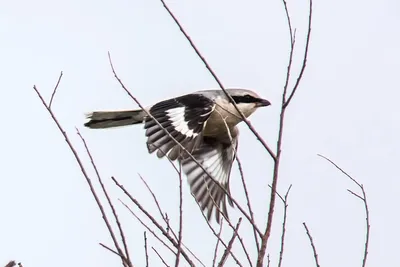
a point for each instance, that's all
(109, 119)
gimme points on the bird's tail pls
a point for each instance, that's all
(109, 119)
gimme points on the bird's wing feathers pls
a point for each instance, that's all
(217, 159)
(183, 117)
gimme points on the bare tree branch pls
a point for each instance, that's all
(363, 198)
(55, 89)
(217, 244)
(230, 244)
(285, 203)
(83, 170)
(121, 231)
(312, 245)
(267, 233)
(11, 264)
(180, 218)
(145, 249)
(161, 258)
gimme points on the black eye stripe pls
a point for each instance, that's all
(245, 99)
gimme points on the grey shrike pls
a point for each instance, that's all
(204, 123)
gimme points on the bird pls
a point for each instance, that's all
(200, 131)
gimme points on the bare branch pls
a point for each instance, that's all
(180, 218)
(145, 249)
(154, 221)
(248, 202)
(267, 233)
(303, 67)
(217, 244)
(55, 89)
(110, 249)
(285, 202)
(363, 198)
(83, 170)
(312, 245)
(161, 258)
(121, 231)
(230, 244)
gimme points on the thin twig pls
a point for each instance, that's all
(145, 249)
(284, 105)
(180, 218)
(312, 245)
(363, 198)
(147, 227)
(161, 258)
(230, 244)
(285, 203)
(248, 201)
(154, 221)
(268, 261)
(55, 89)
(218, 80)
(83, 170)
(217, 244)
(110, 249)
(303, 67)
(121, 231)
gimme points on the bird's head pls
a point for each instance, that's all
(247, 101)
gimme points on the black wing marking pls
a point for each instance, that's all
(183, 117)
(217, 159)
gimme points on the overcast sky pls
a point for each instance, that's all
(346, 108)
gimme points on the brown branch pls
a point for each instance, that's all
(363, 198)
(181, 146)
(248, 201)
(285, 103)
(217, 80)
(303, 67)
(180, 218)
(312, 245)
(83, 171)
(217, 244)
(154, 221)
(121, 231)
(145, 249)
(55, 89)
(110, 249)
(230, 244)
(161, 258)
(285, 202)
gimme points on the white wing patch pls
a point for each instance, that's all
(177, 117)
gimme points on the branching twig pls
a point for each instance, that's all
(83, 170)
(312, 245)
(217, 244)
(55, 90)
(154, 221)
(230, 244)
(285, 203)
(121, 231)
(364, 200)
(267, 233)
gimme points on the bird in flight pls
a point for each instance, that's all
(200, 131)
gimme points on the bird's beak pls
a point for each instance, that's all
(263, 103)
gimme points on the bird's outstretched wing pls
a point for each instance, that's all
(217, 159)
(183, 117)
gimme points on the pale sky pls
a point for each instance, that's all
(346, 108)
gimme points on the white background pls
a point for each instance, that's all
(346, 108)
